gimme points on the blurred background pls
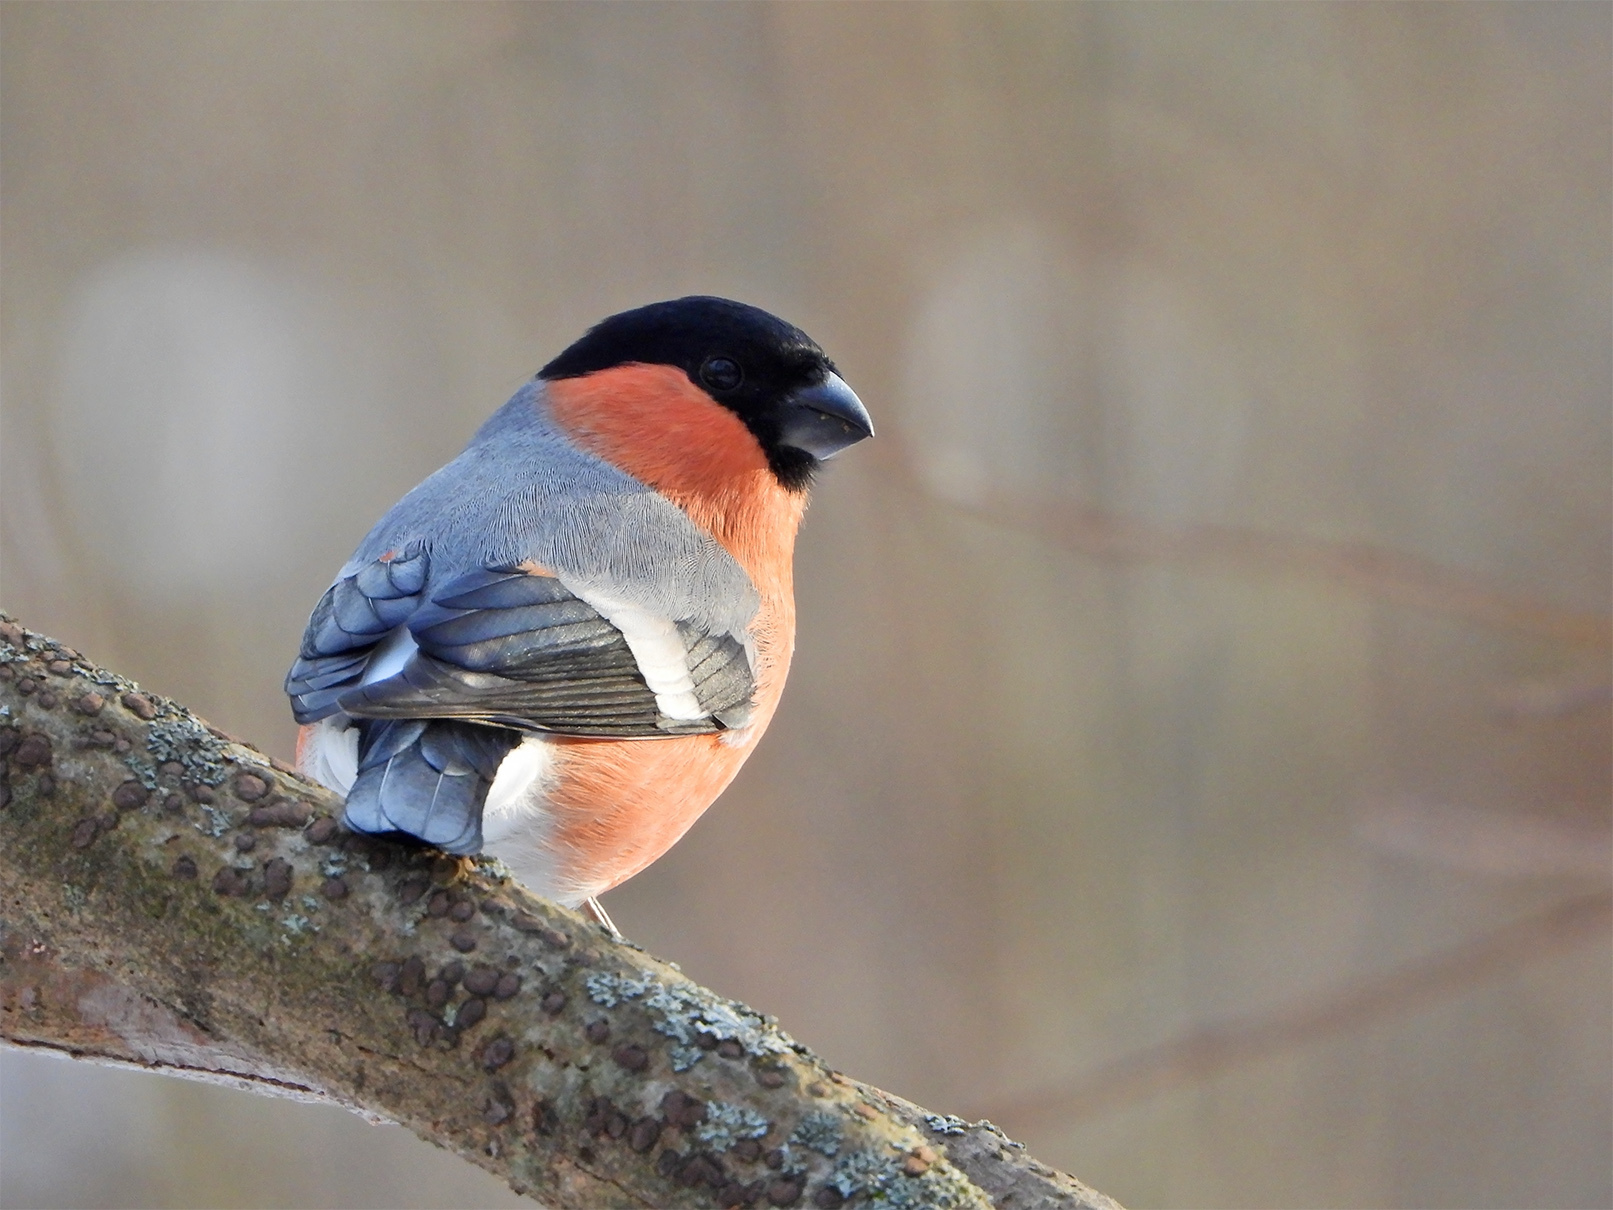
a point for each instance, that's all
(1197, 755)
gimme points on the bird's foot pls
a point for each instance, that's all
(593, 908)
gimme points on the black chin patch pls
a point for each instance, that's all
(792, 467)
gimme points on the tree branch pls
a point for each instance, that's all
(175, 900)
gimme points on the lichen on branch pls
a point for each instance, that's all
(176, 900)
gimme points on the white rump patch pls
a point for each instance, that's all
(330, 754)
(517, 826)
(515, 799)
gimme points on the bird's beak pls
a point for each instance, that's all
(824, 419)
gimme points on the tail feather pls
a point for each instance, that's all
(429, 779)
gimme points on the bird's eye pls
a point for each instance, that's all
(721, 373)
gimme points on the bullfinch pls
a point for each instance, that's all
(561, 647)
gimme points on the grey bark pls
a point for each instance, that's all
(173, 899)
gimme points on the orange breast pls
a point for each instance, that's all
(620, 804)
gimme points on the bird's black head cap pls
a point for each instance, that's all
(766, 371)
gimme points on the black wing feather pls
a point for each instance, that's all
(501, 646)
(342, 635)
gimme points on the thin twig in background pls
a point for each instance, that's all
(1506, 843)
(1385, 575)
(1572, 847)
(1553, 698)
(1214, 1050)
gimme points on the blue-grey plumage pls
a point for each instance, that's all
(566, 642)
(427, 778)
(527, 586)
(523, 491)
(522, 495)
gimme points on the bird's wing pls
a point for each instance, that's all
(349, 625)
(514, 647)
(531, 584)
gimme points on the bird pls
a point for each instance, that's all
(559, 648)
